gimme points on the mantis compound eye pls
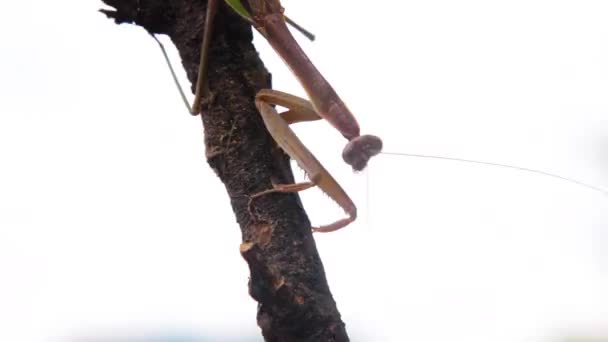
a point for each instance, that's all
(359, 150)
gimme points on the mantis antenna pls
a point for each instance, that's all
(463, 160)
(519, 168)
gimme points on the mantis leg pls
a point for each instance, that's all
(299, 109)
(202, 68)
(278, 126)
(201, 86)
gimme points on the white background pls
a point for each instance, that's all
(111, 221)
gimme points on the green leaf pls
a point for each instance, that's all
(238, 7)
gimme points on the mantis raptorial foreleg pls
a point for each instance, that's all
(300, 110)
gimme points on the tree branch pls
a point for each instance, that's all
(287, 277)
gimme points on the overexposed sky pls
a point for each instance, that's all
(112, 223)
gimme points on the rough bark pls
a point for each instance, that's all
(287, 278)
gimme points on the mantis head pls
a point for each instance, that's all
(359, 150)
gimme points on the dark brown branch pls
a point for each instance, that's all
(287, 277)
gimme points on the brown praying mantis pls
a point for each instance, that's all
(268, 19)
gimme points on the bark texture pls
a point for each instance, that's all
(287, 278)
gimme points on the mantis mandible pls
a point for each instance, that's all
(268, 19)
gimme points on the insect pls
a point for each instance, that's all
(268, 18)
